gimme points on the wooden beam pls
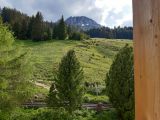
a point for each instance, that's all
(146, 15)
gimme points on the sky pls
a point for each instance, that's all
(105, 12)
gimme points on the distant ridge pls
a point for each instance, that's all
(82, 22)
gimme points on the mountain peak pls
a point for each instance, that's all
(82, 22)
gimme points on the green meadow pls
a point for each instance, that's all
(95, 56)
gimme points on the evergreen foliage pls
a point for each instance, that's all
(55, 32)
(29, 30)
(111, 33)
(62, 30)
(78, 36)
(37, 28)
(25, 27)
(49, 34)
(67, 89)
(14, 73)
(120, 84)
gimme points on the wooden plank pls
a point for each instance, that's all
(146, 15)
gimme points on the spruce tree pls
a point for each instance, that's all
(120, 84)
(29, 29)
(55, 32)
(5, 16)
(17, 29)
(49, 34)
(24, 28)
(14, 73)
(62, 30)
(37, 27)
(67, 89)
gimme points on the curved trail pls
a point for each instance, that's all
(42, 85)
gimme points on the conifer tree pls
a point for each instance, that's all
(17, 29)
(62, 30)
(55, 32)
(29, 29)
(5, 15)
(49, 34)
(120, 84)
(0, 10)
(37, 27)
(24, 28)
(14, 73)
(67, 89)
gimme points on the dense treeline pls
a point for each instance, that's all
(25, 27)
(35, 28)
(112, 33)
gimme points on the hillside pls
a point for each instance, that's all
(95, 55)
(82, 22)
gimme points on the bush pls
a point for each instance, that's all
(78, 36)
(107, 115)
(61, 114)
(95, 99)
(120, 84)
(40, 114)
(22, 114)
(49, 114)
(99, 90)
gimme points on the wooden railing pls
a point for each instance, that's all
(37, 104)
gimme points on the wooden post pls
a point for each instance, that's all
(147, 58)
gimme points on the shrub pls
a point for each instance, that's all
(78, 36)
(107, 115)
(120, 83)
(99, 90)
(49, 114)
(22, 114)
(61, 114)
(40, 114)
(95, 99)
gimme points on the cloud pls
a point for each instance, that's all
(106, 12)
(115, 12)
(5, 3)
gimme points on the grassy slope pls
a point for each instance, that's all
(95, 55)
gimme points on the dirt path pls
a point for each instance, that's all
(42, 85)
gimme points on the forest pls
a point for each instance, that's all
(52, 71)
(35, 28)
(111, 33)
